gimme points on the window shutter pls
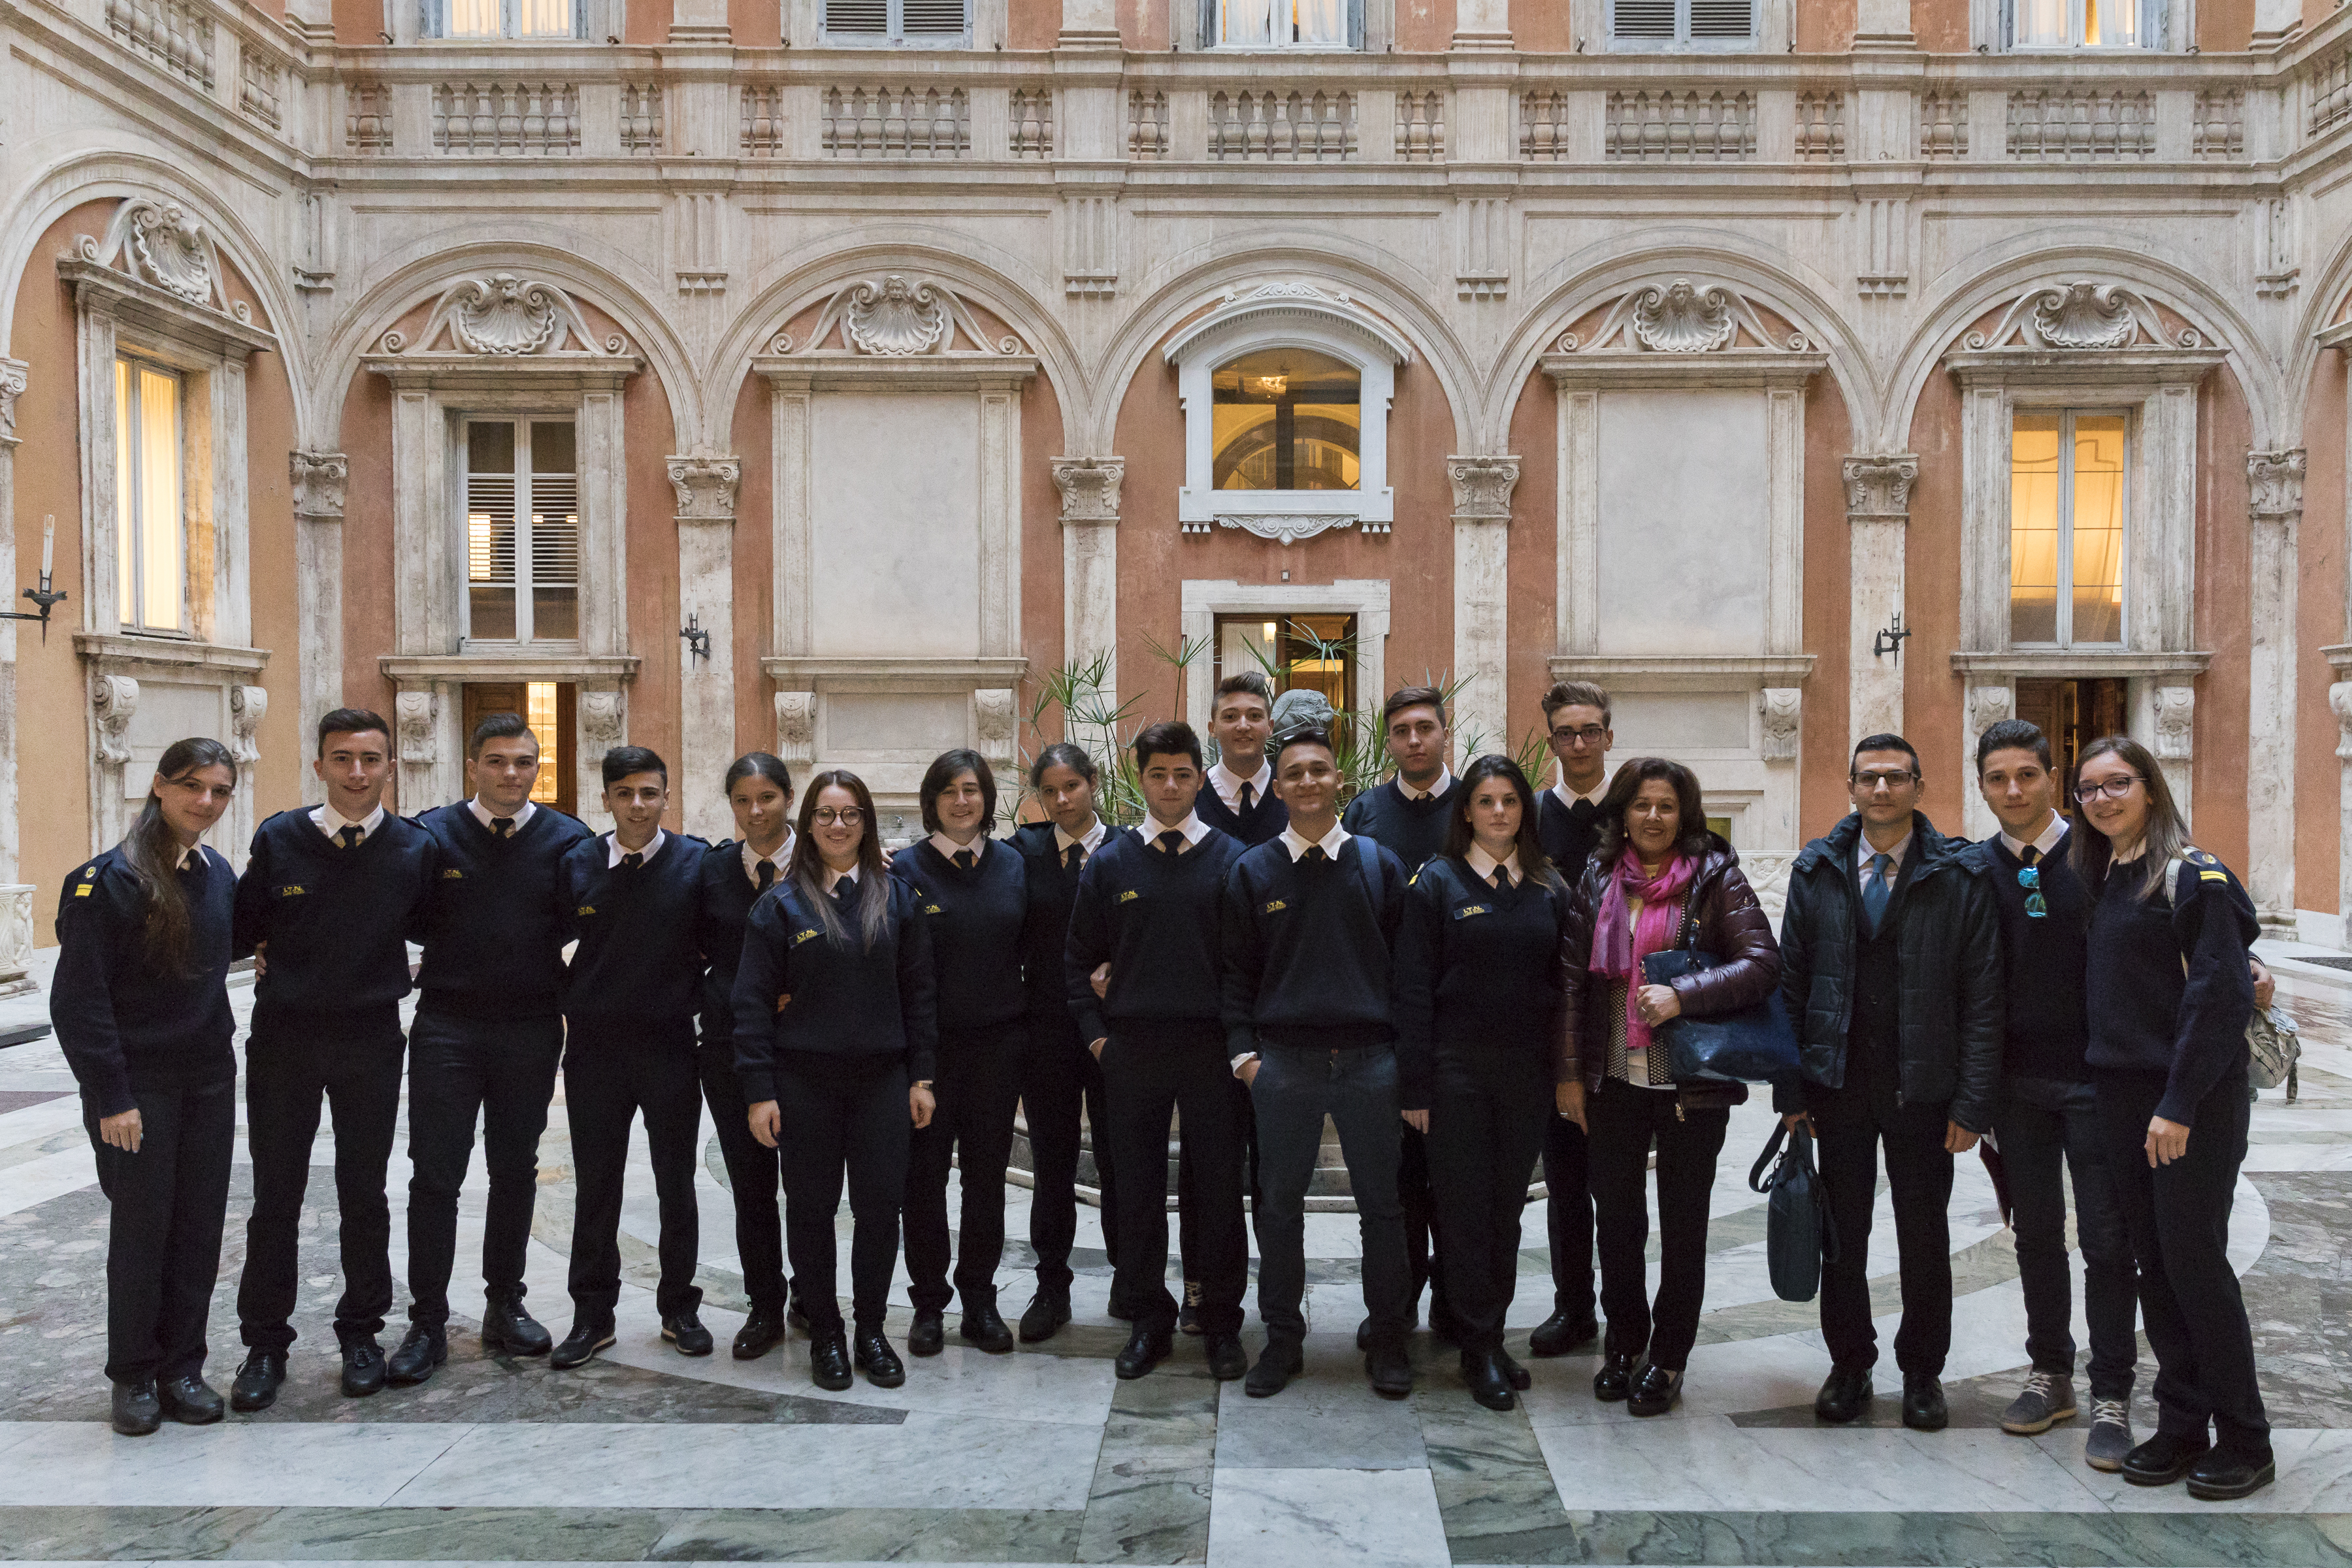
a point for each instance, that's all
(1207, 36)
(858, 17)
(1642, 19)
(490, 529)
(428, 19)
(554, 531)
(1356, 24)
(933, 19)
(1722, 18)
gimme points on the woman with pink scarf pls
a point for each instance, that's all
(1659, 879)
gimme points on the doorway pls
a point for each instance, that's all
(549, 707)
(1312, 652)
(2073, 714)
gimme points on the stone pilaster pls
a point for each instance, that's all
(1090, 495)
(320, 479)
(1987, 705)
(2340, 699)
(705, 484)
(1482, 640)
(1877, 515)
(15, 897)
(2176, 743)
(2274, 510)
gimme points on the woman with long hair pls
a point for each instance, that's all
(2169, 994)
(735, 873)
(1478, 1010)
(835, 1036)
(141, 1006)
(1659, 879)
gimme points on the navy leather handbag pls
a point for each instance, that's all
(1749, 1045)
(1799, 1235)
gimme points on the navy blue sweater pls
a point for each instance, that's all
(1477, 975)
(1154, 918)
(1267, 818)
(2150, 1015)
(336, 919)
(1411, 830)
(845, 1000)
(1306, 947)
(1567, 843)
(975, 919)
(492, 946)
(2047, 1025)
(1046, 926)
(725, 899)
(637, 971)
(122, 1025)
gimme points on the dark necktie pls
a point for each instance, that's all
(633, 861)
(502, 827)
(766, 875)
(1074, 857)
(1171, 841)
(1249, 795)
(1877, 890)
(2033, 856)
(1583, 812)
(350, 836)
(1502, 879)
(965, 860)
(1314, 856)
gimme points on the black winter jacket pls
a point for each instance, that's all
(1952, 1000)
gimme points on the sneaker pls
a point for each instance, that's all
(2048, 1399)
(2111, 1435)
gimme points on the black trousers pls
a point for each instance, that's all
(1424, 1259)
(1486, 1122)
(1189, 1240)
(1625, 1121)
(609, 1078)
(1568, 1217)
(501, 1071)
(1851, 1122)
(1146, 1078)
(353, 1060)
(979, 1084)
(842, 1115)
(1060, 1078)
(754, 1176)
(2179, 1219)
(164, 1234)
(2046, 1130)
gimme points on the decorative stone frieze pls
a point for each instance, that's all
(1089, 488)
(2083, 315)
(895, 317)
(1684, 318)
(505, 315)
(706, 486)
(320, 479)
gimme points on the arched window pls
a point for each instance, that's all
(1286, 419)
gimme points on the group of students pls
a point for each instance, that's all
(1452, 970)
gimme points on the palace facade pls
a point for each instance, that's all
(832, 376)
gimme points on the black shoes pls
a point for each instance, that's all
(763, 1331)
(362, 1367)
(588, 1336)
(2164, 1459)
(1520, 1378)
(426, 1347)
(2222, 1475)
(1277, 1365)
(1048, 1310)
(1560, 1333)
(507, 1327)
(255, 1388)
(1655, 1392)
(829, 1361)
(189, 1400)
(1844, 1395)
(1145, 1349)
(1389, 1370)
(930, 1334)
(1188, 1316)
(1616, 1378)
(1227, 1360)
(878, 1361)
(1489, 1384)
(983, 1326)
(136, 1411)
(1923, 1404)
(684, 1331)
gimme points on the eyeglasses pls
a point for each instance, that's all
(847, 815)
(2030, 879)
(1590, 735)
(1878, 779)
(2114, 789)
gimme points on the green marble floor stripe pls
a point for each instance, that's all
(1149, 1498)
(1495, 1494)
(1954, 1540)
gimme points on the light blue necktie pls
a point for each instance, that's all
(1876, 890)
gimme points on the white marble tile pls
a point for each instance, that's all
(1284, 1519)
(237, 1464)
(1722, 1380)
(2315, 1475)
(50, 1176)
(1328, 1419)
(34, 1123)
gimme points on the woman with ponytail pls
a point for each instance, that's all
(141, 1006)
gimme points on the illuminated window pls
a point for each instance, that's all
(151, 543)
(1286, 419)
(503, 19)
(542, 710)
(522, 531)
(2081, 24)
(2067, 527)
(1285, 23)
(1310, 651)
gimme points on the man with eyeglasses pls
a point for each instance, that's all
(1891, 970)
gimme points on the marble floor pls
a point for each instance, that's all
(1042, 1455)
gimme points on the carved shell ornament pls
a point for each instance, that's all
(1684, 318)
(506, 314)
(2082, 315)
(894, 318)
(159, 242)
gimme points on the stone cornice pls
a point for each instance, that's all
(112, 649)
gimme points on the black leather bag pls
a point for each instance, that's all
(1753, 1045)
(1799, 1235)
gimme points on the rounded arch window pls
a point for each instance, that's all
(1286, 419)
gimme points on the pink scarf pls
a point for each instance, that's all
(1618, 945)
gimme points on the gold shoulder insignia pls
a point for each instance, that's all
(1275, 908)
(89, 872)
(82, 891)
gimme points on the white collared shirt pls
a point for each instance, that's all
(1484, 864)
(485, 815)
(1332, 842)
(2052, 837)
(652, 847)
(1191, 827)
(1569, 797)
(781, 859)
(1444, 782)
(1087, 842)
(833, 879)
(1228, 785)
(949, 849)
(331, 822)
(1863, 854)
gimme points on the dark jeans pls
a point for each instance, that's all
(1850, 1122)
(1568, 1217)
(1059, 1078)
(2178, 1218)
(1186, 1072)
(503, 1071)
(754, 1176)
(842, 1114)
(292, 1059)
(978, 1084)
(1486, 1127)
(1294, 1091)
(164, 1235)
(1424, 1255)
(608, 1080)
(2045, 1131)
(1625, 1120)
(1188, 1238)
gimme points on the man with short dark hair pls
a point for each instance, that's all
(1241, 799)
(1891, 970)
(327, 899)
(631, 899)
(488, 1034)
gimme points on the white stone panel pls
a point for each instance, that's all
(1675, 723)
(1684, 517)
(895, 508)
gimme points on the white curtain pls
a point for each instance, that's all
(1322, 21)
(546, 18)
(1245, 21)
(2040, 24)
